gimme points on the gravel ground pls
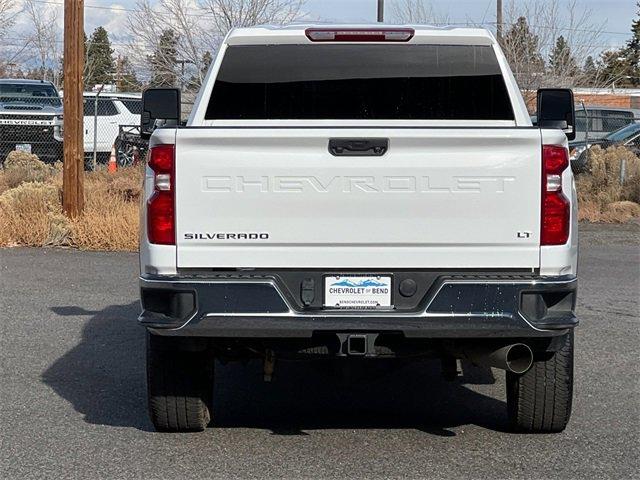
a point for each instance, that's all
(73, 401)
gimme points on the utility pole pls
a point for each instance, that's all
(182, 62)
(380, 11)
(119, 73)
(73, 166)
(499, 20)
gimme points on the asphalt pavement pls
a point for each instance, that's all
(72, 391)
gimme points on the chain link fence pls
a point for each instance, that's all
(602, 127)
(31, 121)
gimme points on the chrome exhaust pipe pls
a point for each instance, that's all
(516, 358)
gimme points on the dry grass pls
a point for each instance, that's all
(601, 198)
(30, 215)
(22, 167)
(31, 192)
(31, 211)
(111, 214)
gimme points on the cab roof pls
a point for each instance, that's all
(23, 81)
(296, 34)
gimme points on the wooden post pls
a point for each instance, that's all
(73, 167)
(499, 21)
(380, 11)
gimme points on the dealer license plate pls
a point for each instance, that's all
(357, 291)
(23, 147)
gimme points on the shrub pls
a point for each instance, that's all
(30, 215)
(601, 198)
(31, 212)
(22, 167)
(111, 213)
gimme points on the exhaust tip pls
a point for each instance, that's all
(519, 358)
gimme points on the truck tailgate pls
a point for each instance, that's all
(438, 198)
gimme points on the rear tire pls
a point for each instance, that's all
(179, 386)
(539, 401)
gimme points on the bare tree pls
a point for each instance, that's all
(8, 14)
(544, 43)
(44, 38)
(197, 28)
(227, 14)
(191, 37)
(416, 12)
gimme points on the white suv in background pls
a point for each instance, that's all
(113, 110)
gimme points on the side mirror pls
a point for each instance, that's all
(160, 106)
(556, 109)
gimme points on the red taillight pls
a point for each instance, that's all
(360, 34)
(161, 206)
(556, 211)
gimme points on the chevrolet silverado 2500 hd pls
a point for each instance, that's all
(30, 119)
(359, 192)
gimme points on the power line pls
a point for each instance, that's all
(465, 23)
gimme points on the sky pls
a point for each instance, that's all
(614, 15)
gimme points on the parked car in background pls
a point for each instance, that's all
(627, 136)
(30, 119)
(593, 124)
(130, 146)
(113, 110)
(597, 122)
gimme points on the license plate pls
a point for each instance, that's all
(357, 291)
(23, 147)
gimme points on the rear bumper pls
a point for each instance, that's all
(453, 306)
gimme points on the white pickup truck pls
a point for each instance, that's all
(371, 191)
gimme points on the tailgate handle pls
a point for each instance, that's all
(358, 147)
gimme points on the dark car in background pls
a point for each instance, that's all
(30, 119)
(595, 123)
(627, 136)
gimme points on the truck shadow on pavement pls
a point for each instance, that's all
(103, 377)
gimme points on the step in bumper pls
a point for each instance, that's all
(453, 307)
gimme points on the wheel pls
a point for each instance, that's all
(539, 401)
(581, 164)
(179, 386)
(128, 153)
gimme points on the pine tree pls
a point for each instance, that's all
(196, 80)
(164, 60)
(126, 78)
(207, 58)
(632, 52)
(100, 66)
(589, 68)
(621, 67)
(589, 72)
(522, 49)
(561, 62)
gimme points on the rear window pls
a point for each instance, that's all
(603, 120)
(106, 108)
(134, 106)
(30, 93)
(359, 82)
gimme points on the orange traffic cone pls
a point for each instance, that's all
(113, 165)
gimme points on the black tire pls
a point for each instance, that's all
(539, 401)
(581, 164)
(179, 386)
